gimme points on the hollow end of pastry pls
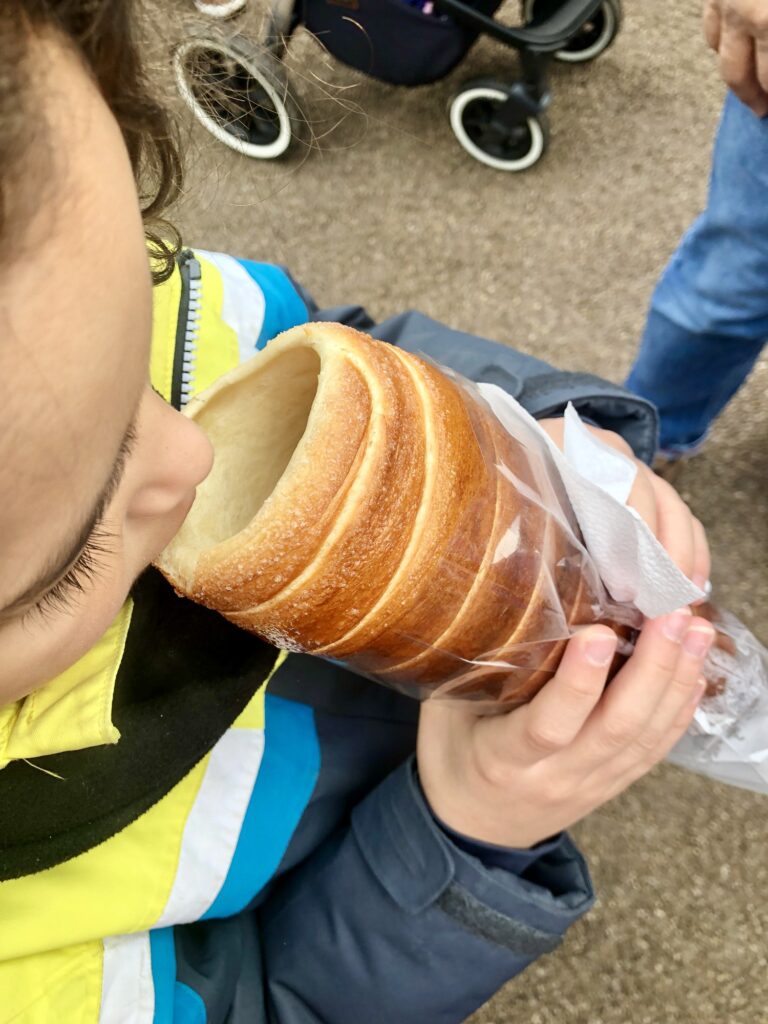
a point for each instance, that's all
(255, 417)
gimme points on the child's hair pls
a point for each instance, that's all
(105, 34)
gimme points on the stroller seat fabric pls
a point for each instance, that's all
(389, 39)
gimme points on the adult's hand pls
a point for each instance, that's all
(517, 778)
(737, 30)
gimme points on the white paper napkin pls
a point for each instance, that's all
(633, 565)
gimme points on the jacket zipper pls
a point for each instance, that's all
(187, 329)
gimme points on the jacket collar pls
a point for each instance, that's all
(72, 711)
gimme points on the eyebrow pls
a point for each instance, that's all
(59, 566)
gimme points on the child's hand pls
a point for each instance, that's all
(518, 778)
(662, 508)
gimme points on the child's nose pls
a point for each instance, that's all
(201, 455)
(179, 460)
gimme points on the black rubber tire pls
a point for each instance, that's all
(594, 37)
(471, 109)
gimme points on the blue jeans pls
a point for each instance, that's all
(709, 313)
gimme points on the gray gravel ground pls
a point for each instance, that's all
(385, 209)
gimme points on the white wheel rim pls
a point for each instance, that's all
(457, 124)
(266, 152)
(609, 30)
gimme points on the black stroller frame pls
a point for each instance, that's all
(239, 90)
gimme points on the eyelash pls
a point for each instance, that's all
(85, 570)
(88, 564)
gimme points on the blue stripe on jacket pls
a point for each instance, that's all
(283, 306)
(283, 788)
(163, 960)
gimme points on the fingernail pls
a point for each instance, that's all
(698, 640)
(600, 650)
(676, 624)
(700, 581)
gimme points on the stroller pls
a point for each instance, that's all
(239, 90)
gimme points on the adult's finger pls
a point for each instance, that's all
(711, 23)
(761, 61)
(558, 712)
(635, 693)
(738, 67)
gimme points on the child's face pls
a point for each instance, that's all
(75, 316)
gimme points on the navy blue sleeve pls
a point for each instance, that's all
(516, 861)
(508, 858)
(390, 921)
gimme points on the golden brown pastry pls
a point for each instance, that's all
(366, 507)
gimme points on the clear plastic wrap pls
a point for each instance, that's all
(728, 739)
(399, 524)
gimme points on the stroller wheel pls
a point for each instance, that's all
(593, 38)
(238, 92)
(505, 148)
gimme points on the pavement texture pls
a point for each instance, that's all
(384, 208)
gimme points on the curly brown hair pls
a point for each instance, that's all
(105, 35)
